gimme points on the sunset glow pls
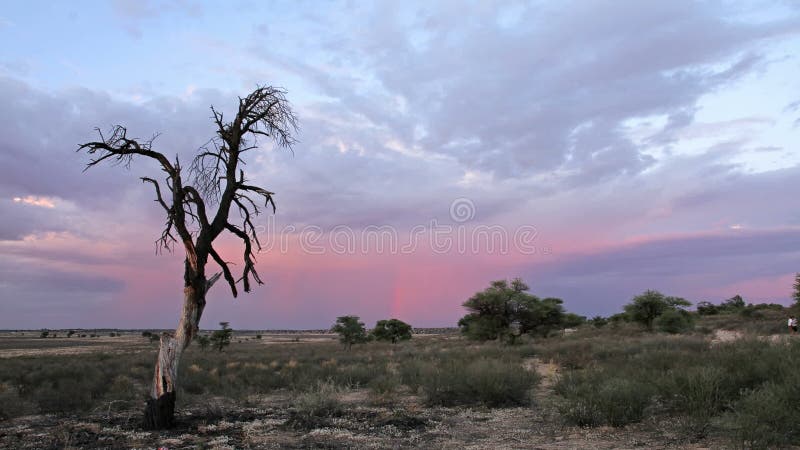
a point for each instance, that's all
(594, 149)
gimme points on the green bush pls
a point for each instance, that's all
(12, 405)
(695, 395)
(598, 398)
(64, 395)
(491, 382)
(674, 321)
(413, 372)
(767, 417)
(313, 409)
(384, 384)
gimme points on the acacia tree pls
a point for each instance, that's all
(504, 311)
(645, 308)
(351, 331)
(392, 330)
(214, 178)
(222, 338)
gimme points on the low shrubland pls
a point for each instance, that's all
(742, 391)
(703, 387)
(441, 371)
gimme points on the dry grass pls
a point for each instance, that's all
(435, 391)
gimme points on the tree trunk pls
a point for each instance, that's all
(159, 412)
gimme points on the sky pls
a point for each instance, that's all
(594, 148)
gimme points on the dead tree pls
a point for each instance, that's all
(214, 179)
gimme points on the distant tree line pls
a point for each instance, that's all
(506, 310)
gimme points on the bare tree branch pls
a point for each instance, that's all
(207, 169)
(249, 261)
(226, 271)
(159, 199)
(263, 192)
(122, 149)
(192, 196)
(265, 112)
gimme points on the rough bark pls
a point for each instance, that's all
(159, 412)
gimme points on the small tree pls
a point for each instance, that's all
(733, 305)
(796, 293)
(70, 333)
(646, 307)
(44, 334)
(707, 309)
(203, 341)
(222, 338)
(392, 330)
(351, 331)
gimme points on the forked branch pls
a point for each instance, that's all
(121, 149)
(264, 113)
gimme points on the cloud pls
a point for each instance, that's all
(135, 13)
(42, 202)
(537, 96)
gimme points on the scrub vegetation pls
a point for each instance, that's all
(519, 371)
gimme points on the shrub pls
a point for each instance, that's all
(694, 396)
(122, 388)
(674, 321)
(491, 382)
(222, 338)
(383, 389)
(64, 395)
(12, 405)
(203, 341)
(766, 417)
(413, 372)
(601, 398)
(314, 408)
(648, 306)
(707, 309)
